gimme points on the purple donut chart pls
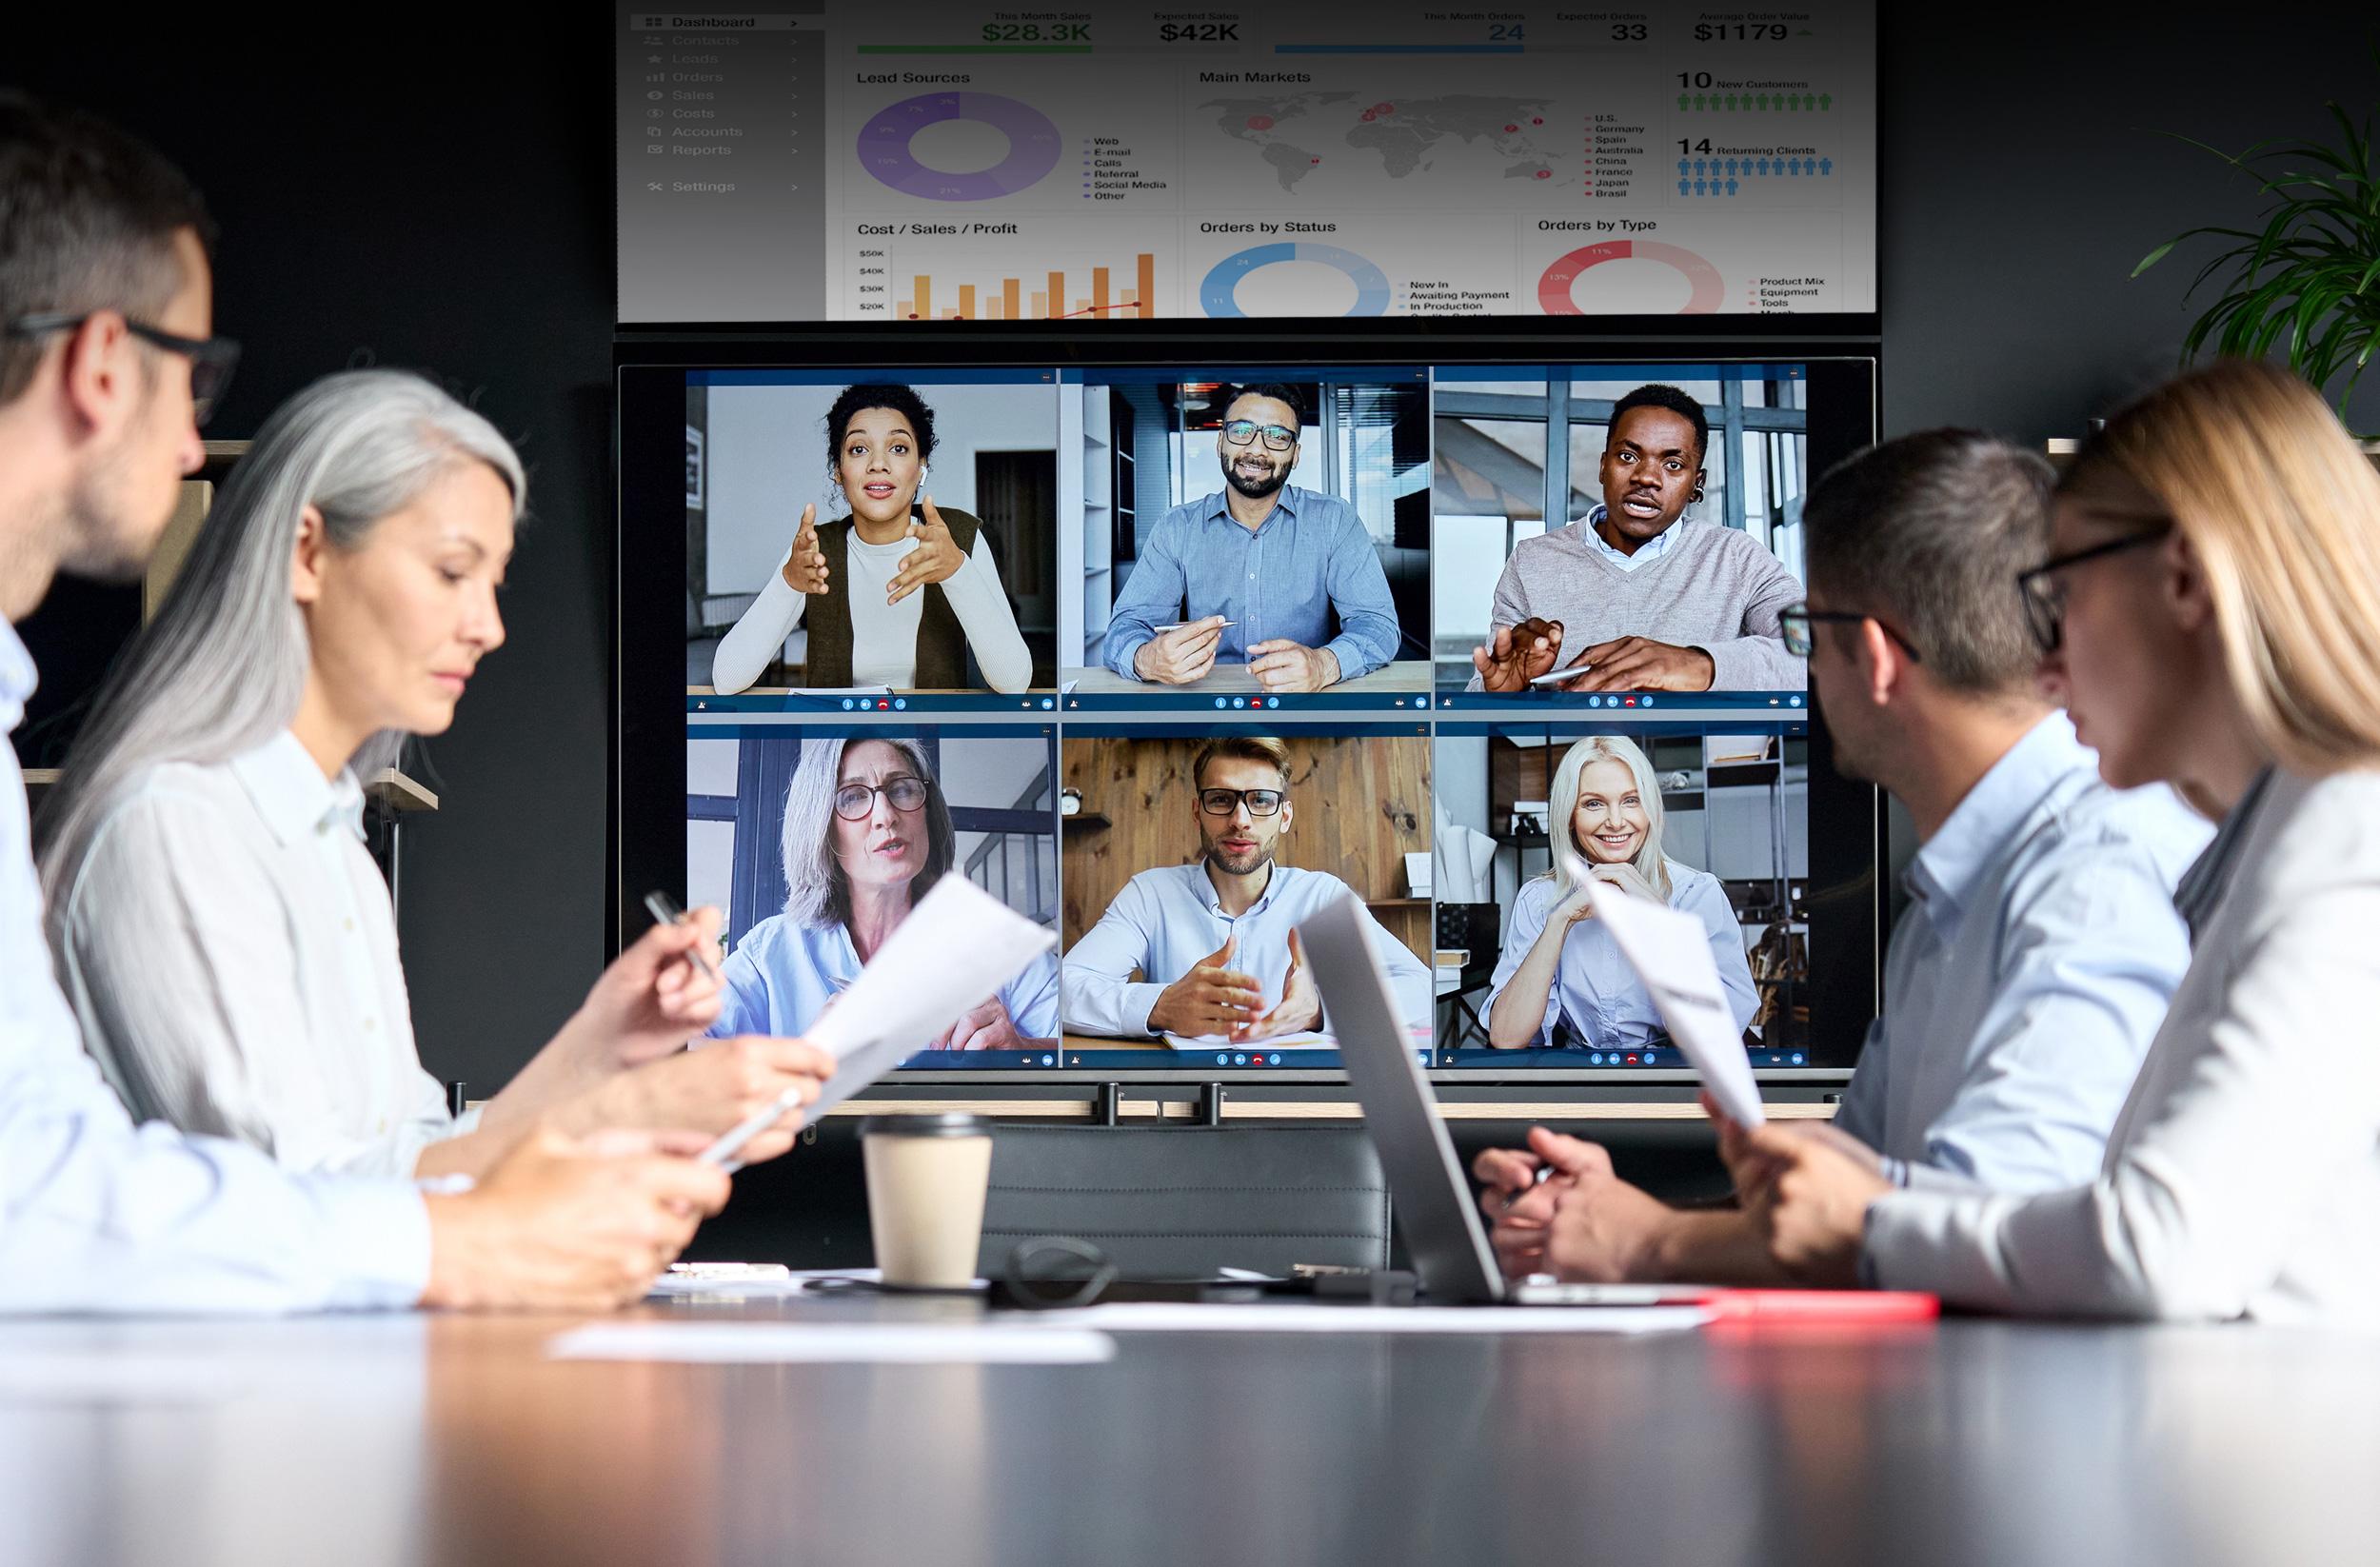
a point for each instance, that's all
(1033, 146)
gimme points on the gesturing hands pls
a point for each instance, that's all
(1279, 664)
(1300, 1003)
(806, 568)
(1515, 655)
(1181, 655)
(935, 559)
(1211, 999)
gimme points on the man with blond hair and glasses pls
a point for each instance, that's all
(1216, 940)
(2040, 946)
(1255, 572)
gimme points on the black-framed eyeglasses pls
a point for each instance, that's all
(212, 360)
(854, 802)
(1224, 801)
(1796, 620)
(2045, 595)
(1276, 437)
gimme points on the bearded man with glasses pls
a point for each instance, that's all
(1255, 572)
(1216, 940)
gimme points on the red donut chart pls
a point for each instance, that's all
(1553, 287)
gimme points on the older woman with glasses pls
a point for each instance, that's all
(867, 835)
(2210, 613)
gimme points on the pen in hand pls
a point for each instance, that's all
(664, 908)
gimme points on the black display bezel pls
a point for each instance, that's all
(646, 845)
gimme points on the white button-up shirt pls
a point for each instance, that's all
(1165, 921)
(96, 1216)
(2028, 974)
(230, 950)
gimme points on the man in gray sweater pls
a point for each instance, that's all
(1648, 601)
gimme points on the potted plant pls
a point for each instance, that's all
(2305, 283)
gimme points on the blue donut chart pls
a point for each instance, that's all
(1217, 296)
(1033, 146)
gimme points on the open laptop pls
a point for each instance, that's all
(1432, 1197)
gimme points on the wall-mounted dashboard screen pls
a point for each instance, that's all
(1164, 655)
(935, 162)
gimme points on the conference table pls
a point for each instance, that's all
(404, 1439)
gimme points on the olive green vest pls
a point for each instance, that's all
(942, 649)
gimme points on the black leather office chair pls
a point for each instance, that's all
(1185, 1203)
(1475, 928)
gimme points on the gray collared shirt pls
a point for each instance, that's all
(1310, 560)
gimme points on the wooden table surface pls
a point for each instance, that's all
(402, 1439)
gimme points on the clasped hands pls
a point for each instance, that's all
(1515, 655)
(1214, 999)
(1560, 1208)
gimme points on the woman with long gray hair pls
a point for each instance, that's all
(216, 920)
(867, 834)
(1562, 981)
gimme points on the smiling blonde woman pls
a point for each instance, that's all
(1562, 981)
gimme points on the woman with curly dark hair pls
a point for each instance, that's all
(899, 592)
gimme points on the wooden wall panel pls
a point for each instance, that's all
(1359, 805)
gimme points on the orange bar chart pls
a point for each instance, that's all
(1007, 299)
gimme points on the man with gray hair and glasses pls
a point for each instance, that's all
(2040, 946)
(107, 363)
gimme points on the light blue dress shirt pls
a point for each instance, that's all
(1165, 921)
(98, 1216)
(2028, 975)
(1281, 582)
(782, 974)
(1595, 988)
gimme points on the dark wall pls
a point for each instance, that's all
(439, 197)
(2023, 180)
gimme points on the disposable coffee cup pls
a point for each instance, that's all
(926, 1177)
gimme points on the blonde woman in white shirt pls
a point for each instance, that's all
(900, 592)
(221, 930)
(2211, 613)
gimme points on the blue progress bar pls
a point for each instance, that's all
(1399, 49)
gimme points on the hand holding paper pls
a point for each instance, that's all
(1671, 953)
(958, 946)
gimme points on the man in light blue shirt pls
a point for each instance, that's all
(1216, 941)
(2041, 945)
(108, 361)
(1255, 573)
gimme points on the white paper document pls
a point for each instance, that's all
(956, 949)
(783, 1344)
(1671, 953)
(1285, 1317)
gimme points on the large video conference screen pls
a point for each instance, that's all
(931, 163)
(1165, 658)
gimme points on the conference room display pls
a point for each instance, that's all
(1081, 517)
(927, 163)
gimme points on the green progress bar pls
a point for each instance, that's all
(975, 49)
